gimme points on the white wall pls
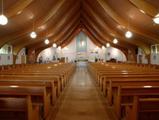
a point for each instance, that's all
(69, 51)
(6, 49)
(116, 54)
(6, 57)
(141, 56)
(154, 58)
(20, 56)
(46, 54)
(92, 52)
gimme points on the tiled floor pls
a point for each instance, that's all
(81, 100)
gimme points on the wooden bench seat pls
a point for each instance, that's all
(132, 90)
(49, 82)
(110, 85)
(133, 95)
(18, 108)
(39, 95)
(39, 85)
(62, 78)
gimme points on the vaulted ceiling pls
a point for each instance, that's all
(62, 20)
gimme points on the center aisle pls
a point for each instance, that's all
(81, 100)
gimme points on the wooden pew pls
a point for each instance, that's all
(111, 77)
(114, 80)
(129, 97)
(51, 82)
(18, 108)
(64, 75)
(41, 76)
(37, 96)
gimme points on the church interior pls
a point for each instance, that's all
(79, 59)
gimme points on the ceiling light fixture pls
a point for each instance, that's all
(108, 45)
(3, 18)
(103, 47)
(54, 45)
(128, 34)
(115, 41)
(66, 48)
(14, 86)
(19, 12)
(59, 47)
(156, 19)
(33, 35)
(142, 11)
(97, 48)
(148, 86)
(46, 41)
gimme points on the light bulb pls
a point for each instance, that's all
(108, 44)
(115, 41)
(54, 45)
(65, 48)
(128, 34)
(147, 86)
(82, 43)
(103, 47)
(3, 20)
(156, 19)
(59, 47)
(97, 48)
(142, 11)
(14, 86)
(33, 35)
(47, 41)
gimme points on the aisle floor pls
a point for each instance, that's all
(81, 99)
